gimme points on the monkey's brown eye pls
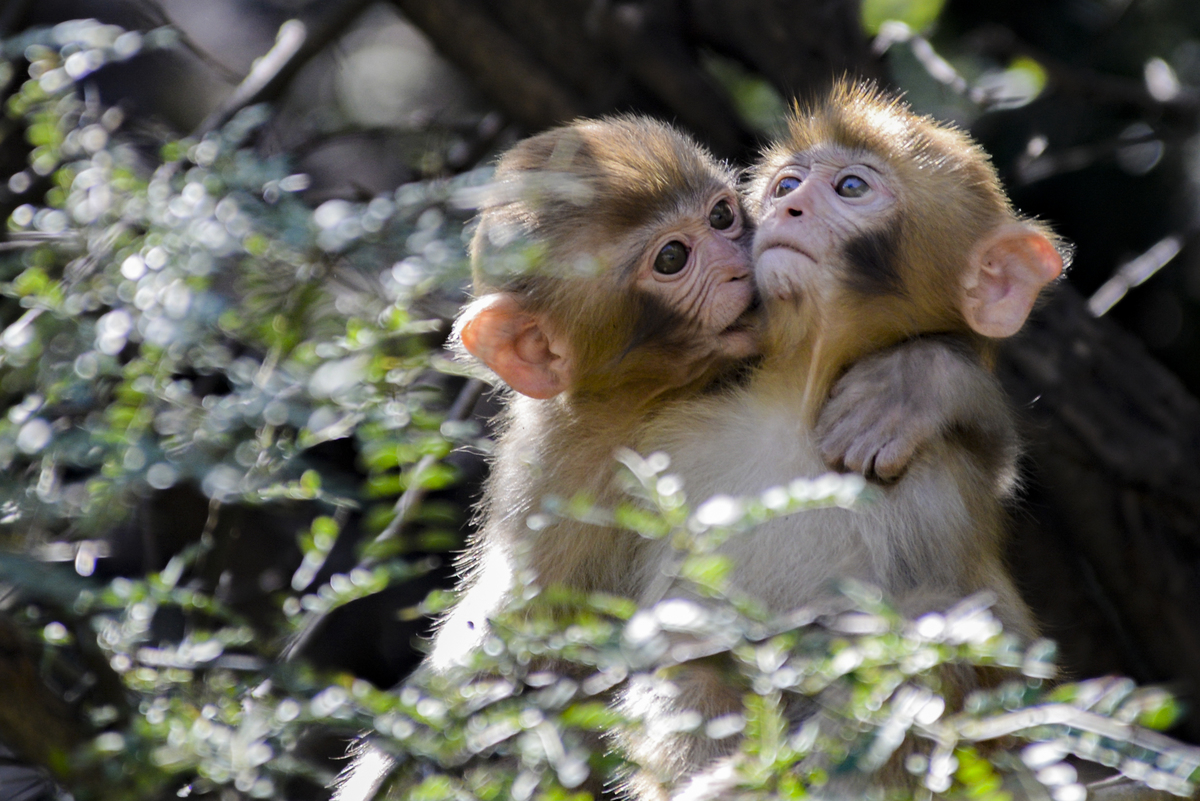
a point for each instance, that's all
(671, 259)
(852, 186)
(786, 185)
(721, 216)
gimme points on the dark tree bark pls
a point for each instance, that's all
(1107, 538)
(546, 61)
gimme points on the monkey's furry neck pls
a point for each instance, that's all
(803, 357)
(806, 350)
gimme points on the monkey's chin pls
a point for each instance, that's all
(778, 271)
(742, 338)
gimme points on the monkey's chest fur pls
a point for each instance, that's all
(745, 442)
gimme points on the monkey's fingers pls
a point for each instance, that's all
(833, 443)
(851, 444)
(894, 458)
(860, 456)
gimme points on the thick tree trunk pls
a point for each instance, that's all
(1107, 540)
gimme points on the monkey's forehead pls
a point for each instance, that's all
(858, 115)
(920, 155)
(912, 140)
(605, 164)
(615, 231)
(825, 152)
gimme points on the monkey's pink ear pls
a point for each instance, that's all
(515, 345)
(1007, 272)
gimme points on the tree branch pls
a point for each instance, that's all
(647, 39)
(296, 44)
(799, 47)
(498, 64)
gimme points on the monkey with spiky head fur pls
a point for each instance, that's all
(885, 241)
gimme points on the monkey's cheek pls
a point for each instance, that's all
(740, 344)
(735, 321)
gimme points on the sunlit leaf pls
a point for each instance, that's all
(916, 14)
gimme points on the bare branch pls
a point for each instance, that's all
(295, 45)
(1134, 272)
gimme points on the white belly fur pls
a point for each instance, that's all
(740, 444)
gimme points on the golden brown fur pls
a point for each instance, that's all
(574, 316)
(939, 171)
(580, 202)
(939, 252)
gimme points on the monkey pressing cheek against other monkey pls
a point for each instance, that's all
(612, 268)
(886, 251)
(612, 273)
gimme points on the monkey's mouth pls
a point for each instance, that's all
(777, 273)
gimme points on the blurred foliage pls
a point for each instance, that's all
(182, 317)
(916, 14)
(756, 101)
(197, 322)
(1089, 112)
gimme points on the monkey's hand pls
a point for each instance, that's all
(892, 403)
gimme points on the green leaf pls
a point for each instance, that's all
(916, 14)
(590, 716)
(1161, 711)
(709, 571)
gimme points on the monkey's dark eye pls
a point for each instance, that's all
(671, 259)
(786, 185)
(852, 186)
(721, 216)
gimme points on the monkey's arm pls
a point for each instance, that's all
(891, 403)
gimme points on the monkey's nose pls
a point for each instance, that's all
(795, 212)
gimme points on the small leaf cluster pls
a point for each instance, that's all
(173, 313)
(845, 696)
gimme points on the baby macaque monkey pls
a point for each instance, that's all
(884, 239)
(612, 271)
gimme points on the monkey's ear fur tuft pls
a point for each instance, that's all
(1007, 272)
(515, 345)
